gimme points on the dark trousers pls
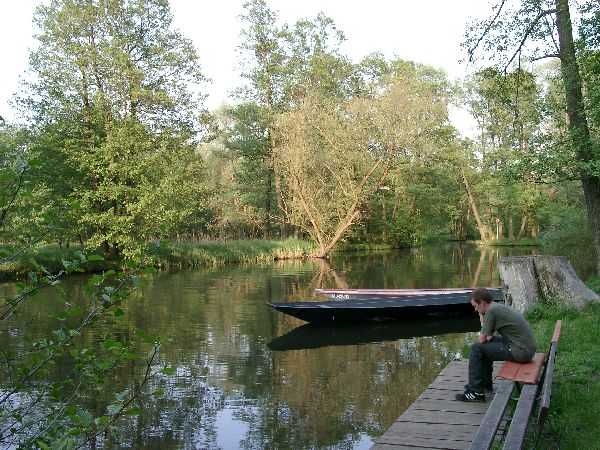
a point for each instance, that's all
(481, 359)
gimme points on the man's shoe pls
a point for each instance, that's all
(470, 396)
(489, 387)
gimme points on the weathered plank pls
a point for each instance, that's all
(457, 384)
(487, 431)
(450, 417)
(433, 442)
(528, 373)
(404, 447)
(436, 420)
(447, 405)
(518, 427)
(424, 430)
(439, 394)
(547, 388)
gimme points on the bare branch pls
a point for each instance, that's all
(14, 196)
(488, 27)
(528, 31)
(551, 33)
(137, 393)
(25, 247)
(18, 299)
(549, 55)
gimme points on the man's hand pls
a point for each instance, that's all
(484, 338)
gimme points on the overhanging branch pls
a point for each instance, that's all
(528, 31)
(549, 55)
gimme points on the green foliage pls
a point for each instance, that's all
(508, 108)
(246, 137)
(568, 232)
(51, 258)
(401, 230)
(335, 154)
(112, 100)
(47, 378)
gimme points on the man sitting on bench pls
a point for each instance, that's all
(515, 343)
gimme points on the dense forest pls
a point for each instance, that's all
(118, 149)
(115, 150)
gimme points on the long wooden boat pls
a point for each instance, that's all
(349, 294)
(379, 309)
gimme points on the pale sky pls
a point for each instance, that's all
(425, 31)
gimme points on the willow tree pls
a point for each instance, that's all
(111, 98)
(544, 29)
(334, 155)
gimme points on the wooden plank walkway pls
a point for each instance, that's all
(436, 420)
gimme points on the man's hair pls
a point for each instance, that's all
(481, 295)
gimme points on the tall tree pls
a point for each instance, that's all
(247, 137)
(545, 28)
(111, 83)
(282, 63)
(507, 109)
(263, 67)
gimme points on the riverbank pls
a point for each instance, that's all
(197, 254)
(50, 257)
(575, 404)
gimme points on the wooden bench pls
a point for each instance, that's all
(526, 377)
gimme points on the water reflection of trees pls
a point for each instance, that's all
(298, 399)
(227, 377)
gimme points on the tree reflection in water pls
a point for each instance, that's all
(232, 390)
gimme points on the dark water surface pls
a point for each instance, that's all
(248, 377)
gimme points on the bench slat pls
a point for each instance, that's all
(487, 430)
(557, 329)
(518, 426)
(547, 388)
(527, 373)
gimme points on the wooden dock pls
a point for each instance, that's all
(436, 420)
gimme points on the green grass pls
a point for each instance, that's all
(575, 407)
(361, 247)
(525, 242)
(198, 254)
(222, 252)
(50, 257)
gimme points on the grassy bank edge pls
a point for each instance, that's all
(575, 405)
(177, 255)
(190, 254)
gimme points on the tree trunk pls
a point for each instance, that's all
(578, 125)
(268, 193)
(528, 279)
(480, 225)
(511, 226)
(490, 225)
(535, 230)
(524, 221)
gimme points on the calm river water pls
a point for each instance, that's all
(248, 377)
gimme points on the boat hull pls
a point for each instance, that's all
(379, 309)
